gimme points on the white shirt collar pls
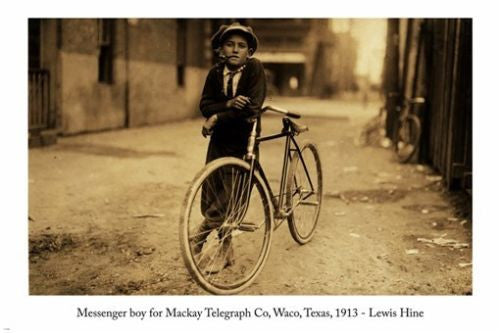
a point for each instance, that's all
(226, 70)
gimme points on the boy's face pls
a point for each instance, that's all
(235, 49)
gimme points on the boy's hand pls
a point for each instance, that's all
(208, 126)
(239, 102)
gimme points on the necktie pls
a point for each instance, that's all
(229, 87)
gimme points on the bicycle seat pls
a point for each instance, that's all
(297, 128)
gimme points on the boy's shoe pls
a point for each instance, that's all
(202, 233)
(224, 257)
(197, 244)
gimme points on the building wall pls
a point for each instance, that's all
(86, 104)
(49, 56)
(343, 56)
(145, 87)
(155, 95)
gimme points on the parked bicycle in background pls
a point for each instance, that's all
(408, 129)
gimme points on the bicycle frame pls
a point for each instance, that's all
(279, 209)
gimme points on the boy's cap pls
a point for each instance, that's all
(224, 30)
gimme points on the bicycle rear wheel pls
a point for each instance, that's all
(225, 238)
(304, 193)
(408, 138)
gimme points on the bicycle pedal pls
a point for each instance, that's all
(248, 226)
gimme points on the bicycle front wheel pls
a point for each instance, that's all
(304, 193)
(226, 226)
(408, 138)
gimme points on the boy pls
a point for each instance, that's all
(234, 92)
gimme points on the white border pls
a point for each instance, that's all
(23, 313)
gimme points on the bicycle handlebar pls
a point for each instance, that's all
(416, 100)
(282, 111)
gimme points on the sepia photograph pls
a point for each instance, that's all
(250, 156)
(250, 166)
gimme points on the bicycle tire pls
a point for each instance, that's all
(408, 138)
(250, 247)
(302, 220)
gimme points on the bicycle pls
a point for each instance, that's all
(408, 131)
(249, 211)
(373, 132)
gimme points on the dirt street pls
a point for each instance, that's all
(104, 211)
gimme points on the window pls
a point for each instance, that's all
(105, 44)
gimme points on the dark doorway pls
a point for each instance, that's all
(285, 78)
